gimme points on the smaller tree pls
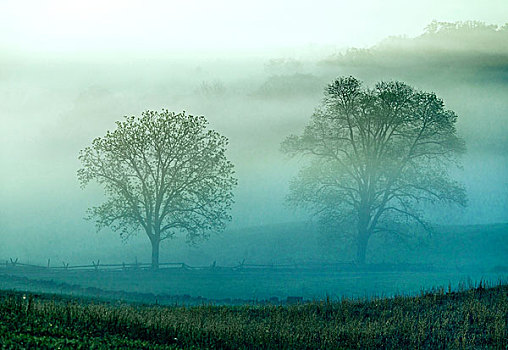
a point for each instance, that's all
(164, 173)
(376, 156)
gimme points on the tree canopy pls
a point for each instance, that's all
(376, 155)
(164, 173)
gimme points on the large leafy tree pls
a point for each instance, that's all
(163, 173)
(377, 156)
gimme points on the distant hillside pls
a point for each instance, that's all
(471, 50)
(482, 246)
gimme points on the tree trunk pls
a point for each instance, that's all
(363, 234)
(361, 247)
(155, 253)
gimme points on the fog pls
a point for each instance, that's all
(55, 98)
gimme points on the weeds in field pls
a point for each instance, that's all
(473, 318)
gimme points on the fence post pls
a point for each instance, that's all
(240, 264)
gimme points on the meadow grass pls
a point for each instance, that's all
(473, 318)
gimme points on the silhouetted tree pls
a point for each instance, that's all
(164, 173)
(376, 156)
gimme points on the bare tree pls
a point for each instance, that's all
(376, 155)
(164, 173)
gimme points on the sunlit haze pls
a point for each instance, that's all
(196, 25)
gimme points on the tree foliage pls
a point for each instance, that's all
(376, 155)
(163, 173)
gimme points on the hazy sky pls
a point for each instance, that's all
(93, 25)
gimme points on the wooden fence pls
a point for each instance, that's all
(96, 265)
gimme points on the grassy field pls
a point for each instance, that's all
(453, 255)
(474, 318)
(247, 284)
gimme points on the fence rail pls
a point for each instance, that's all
(96, 266)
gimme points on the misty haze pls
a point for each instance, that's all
(226, 172)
